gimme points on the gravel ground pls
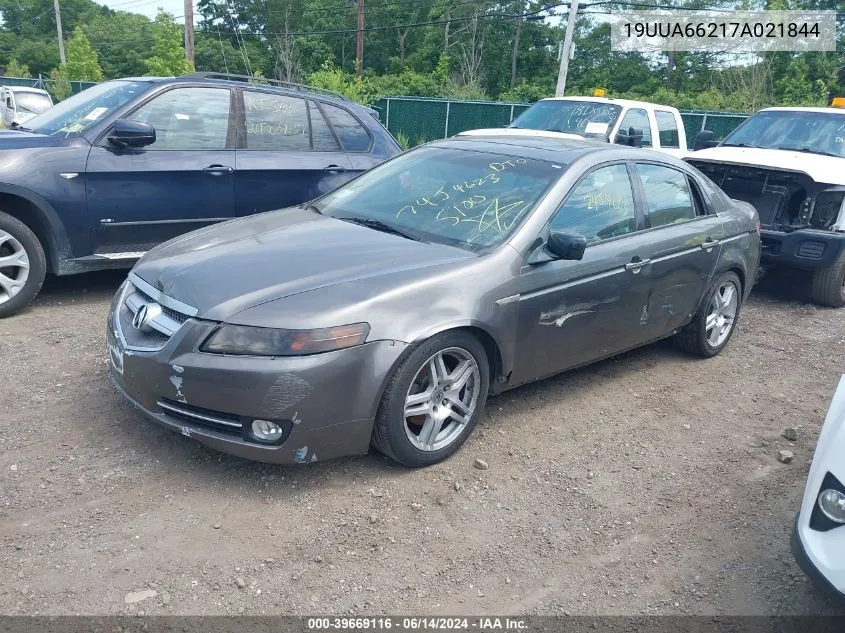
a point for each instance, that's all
(646, 484)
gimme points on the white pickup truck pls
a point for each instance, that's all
(790, 164)
(621, 121)
(18, 104)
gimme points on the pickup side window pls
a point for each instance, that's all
(667, 129)
(668, 196)
(637, 118)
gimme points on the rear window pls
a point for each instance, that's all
(353, 136)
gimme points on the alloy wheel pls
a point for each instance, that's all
(724, 305)
(14, 266)
(442, 399)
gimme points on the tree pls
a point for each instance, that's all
(168, 58)
(59, 84)
(16, 69)
(82, 63)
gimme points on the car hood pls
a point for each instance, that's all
(822, 169)
(16, 139)
(229, 267)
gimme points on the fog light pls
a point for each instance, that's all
(832, 504)
(266, 431)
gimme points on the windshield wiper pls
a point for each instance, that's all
(810, 150)
(378, 225)
(741, 145)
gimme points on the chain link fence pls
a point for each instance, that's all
(419, 120)
(44, 84)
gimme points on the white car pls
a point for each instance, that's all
(620, 121)
(19, 104)
(818, 539)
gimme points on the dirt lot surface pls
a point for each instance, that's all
(641, 485)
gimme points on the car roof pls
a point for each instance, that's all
(800, 109)
(26, 89)
(220, 79)
(557, 150)
(609, 100)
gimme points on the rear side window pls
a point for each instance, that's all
(353, 136)
(667, 193)
(324, 140)
(667, 128)
(276, 122)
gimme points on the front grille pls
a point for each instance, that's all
(158, 329)
(169, 312)
(811, 249)
(223, 422)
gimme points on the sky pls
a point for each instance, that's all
(148, 7)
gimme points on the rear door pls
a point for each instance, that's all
(684, 244)
(183, 181)
(287, 153)
(574, 312)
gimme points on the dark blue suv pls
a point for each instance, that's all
(100, 178)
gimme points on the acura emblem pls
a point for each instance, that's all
(145, 315)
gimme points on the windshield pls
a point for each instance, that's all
(77, 113)
(815, 132)
(31, 102)
(463, 198)
(586, 118)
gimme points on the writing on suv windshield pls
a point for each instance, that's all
(811, 132)
(75, 114)
(585, 118)
(463, 198)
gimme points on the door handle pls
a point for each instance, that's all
(335, 169)
(708, 244)
(637, 264)
(218, 170)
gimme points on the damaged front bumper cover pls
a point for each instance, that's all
(326, 403)
(808, 249)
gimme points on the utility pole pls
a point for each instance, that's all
(189, 31)
(59, 31)
(359, 44)
(566, 53)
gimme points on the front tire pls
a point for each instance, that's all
(23, 265)
(433, 400)
(828, 287)
(713, 325)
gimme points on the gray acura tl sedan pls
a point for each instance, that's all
(385, 312)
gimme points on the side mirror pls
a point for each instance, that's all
(566, 245)
(634, 137)
(126, 133)
(705, 139)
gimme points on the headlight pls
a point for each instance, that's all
(832, 504)
(262, 341)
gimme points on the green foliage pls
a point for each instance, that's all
(403, 140)
(82, 63)
(168, 58)
(59, 86)
(525, 92)
(15, 69)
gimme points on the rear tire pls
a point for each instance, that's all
(828, 287)
(23, 265)
(715, 322)
(433, 400)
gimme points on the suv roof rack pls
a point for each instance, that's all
(263, 80)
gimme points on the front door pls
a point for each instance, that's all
(183, 181)
(289, 156)
(574, 312)
(684, 245)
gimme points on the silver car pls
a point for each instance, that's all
(386, 312)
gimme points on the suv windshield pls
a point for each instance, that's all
(77, 113)
(463, 198)
(31, 102)
(592, 119)
(814, 132)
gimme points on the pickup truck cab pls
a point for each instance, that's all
(19, 104)
(620, 121)
(790, 164)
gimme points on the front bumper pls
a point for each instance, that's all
(326, 402)
(807, 565)
(808, 249)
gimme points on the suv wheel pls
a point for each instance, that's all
(828, 287)
(22, 265)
